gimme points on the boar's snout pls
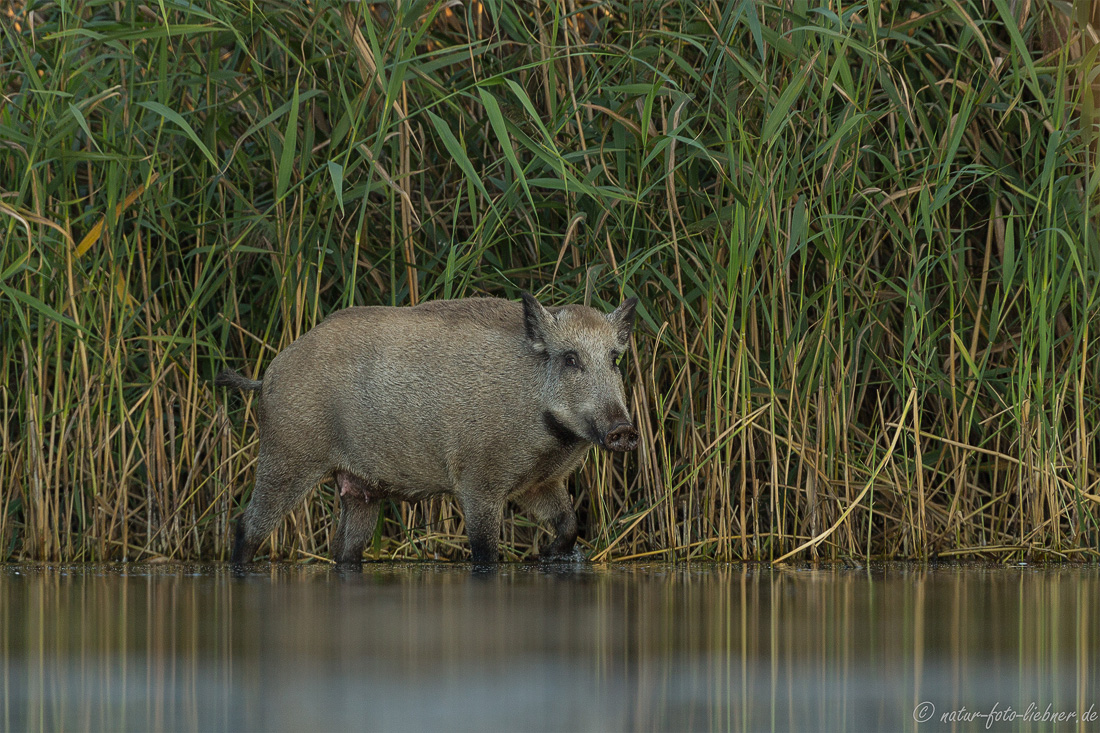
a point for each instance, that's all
(623, 437)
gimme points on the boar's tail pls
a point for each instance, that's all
(229, 378)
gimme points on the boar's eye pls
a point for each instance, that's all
(571, 360)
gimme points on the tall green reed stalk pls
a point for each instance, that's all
(863, 235)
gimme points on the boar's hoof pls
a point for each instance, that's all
(622, 438)
(575, 556)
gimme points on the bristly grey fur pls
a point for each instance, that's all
(473, 397)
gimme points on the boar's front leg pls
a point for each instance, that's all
(482, 512)
(553, 505)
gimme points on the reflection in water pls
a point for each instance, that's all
(653, 647)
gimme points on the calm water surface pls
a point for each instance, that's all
(638, 647)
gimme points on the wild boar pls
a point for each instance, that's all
(486, 399)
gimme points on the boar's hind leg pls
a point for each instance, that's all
(482, 513)
(280, 484)
(553, 505)
(357, 519)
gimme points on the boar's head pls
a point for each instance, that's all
(582, 389)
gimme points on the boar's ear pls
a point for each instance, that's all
(535, 320)
(622, 319)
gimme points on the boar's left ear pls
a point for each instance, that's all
(535, 320)
(622, 319)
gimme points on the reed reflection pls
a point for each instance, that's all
(620, 648)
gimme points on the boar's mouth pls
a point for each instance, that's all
(562, 432)
(621, 438)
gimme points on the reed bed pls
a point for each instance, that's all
(863, 236)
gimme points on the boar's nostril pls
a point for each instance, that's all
(622, 437)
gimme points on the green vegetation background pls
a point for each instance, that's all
(863, 235)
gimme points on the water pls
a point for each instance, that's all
(640, 647)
